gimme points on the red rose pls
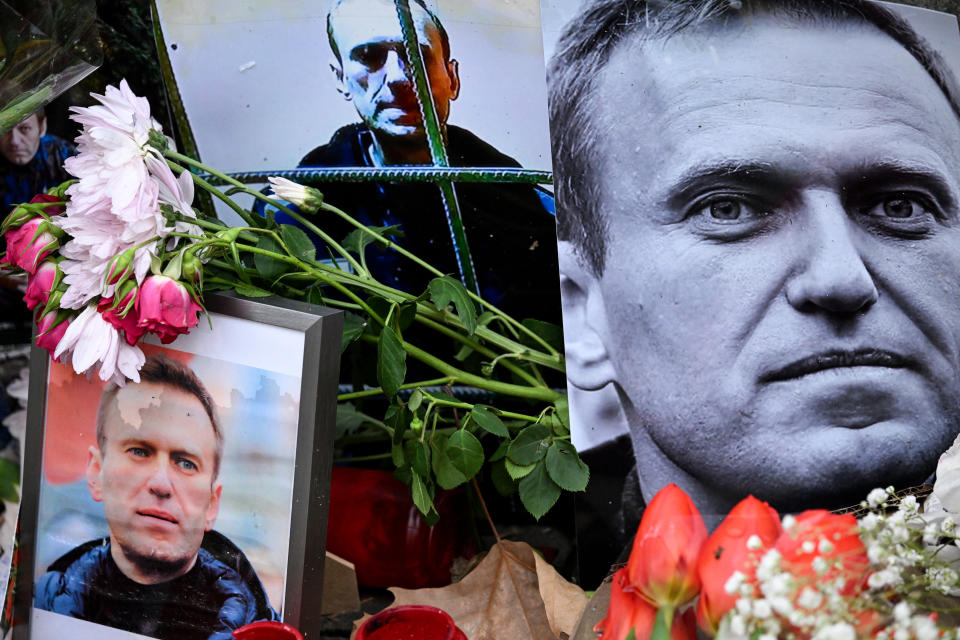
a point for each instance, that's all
(166, 308)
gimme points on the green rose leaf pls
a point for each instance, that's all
(502, 482)
(551, 333)
(298, 242)
(251, 291)
(538, 492)
(465, 452)
(489, 421)
(415, 399)
(391, 362)
(358, 239)
(353, 326)
(517, 471)
(397, 455)
(421, 495)
(529, 445)
(349, 419)
(397, 418)
(269, 267)
(448, 476)
(445, 290)
(417, 454)
(501, 451)
(565, 466)
(563, 411)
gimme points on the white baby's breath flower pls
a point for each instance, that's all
(820, 565)
(734, 582)
(836, 631)
(876, 497)
(869, 522)
(825, 546)
(754, 542)
(909, 505)
(789, 522)
(761, 609)
(809, 598)
(808, 546)
(902, 612)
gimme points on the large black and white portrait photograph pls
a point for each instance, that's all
(758, 205)
(329, 85)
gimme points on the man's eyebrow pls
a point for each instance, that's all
(893, 172)
(708, 174)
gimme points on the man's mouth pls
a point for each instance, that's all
(158, 514)
(834, 360)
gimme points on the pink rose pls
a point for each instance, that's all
(40, 285)
(127, 322)
(166, 308)
(49, 336)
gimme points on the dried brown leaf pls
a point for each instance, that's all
(501, 598)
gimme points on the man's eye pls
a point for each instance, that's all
(370, 56)
(727, 209)
(138, 452)
(187, 465)
(899, 206)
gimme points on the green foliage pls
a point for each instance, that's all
(391, 362)
(445, 290)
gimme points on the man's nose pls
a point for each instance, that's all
(833, 276)
(159, 483)
(395, 68)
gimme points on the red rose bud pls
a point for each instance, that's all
(50, 210)
(23, 213)
(121, 312)
(819, 533)
(629, 612)
(663, 563)
(41, 284)
(28, 245)
(731, 548)
(50, 330)
(166, 308)
(120, 268)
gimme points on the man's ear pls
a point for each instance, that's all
(453, 71)
(589, 365)
(94, 467)
(214, 509)
(338, 79)
(43, 125)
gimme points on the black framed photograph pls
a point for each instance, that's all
(189, 503)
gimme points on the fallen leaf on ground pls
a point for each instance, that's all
(513, 594)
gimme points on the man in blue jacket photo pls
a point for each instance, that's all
(162, 572)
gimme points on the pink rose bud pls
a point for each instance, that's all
(120, 268)
(49, 333)
(29, 245)
(23, 213)
(166, 308)
(41, 284)
(121, 312)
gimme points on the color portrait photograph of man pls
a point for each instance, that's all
(759, 243)
(163, 571)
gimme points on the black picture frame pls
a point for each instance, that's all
(319, 331)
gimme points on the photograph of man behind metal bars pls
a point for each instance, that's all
(352, 107)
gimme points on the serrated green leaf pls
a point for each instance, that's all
(315, 295)
(357, 240)
(391, 362)
(463, 353)
(445, 290)
(397, 418)
(489, 421)
(415, 399)
(448, 476)
(298, 242)
(396, 454)
(9, 480)
(565, 466)
(501, 451)
(563, 411)
(502, 482)
(421, 497)
(552, 422)
(538, 492)
(418, 456)
(550, 333)
(251, 291)
(269, 267)
(353, 326)
(349, 419)
(518, 471)
(465, 452)
(529, 446)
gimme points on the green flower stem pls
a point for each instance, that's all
(209, 188)
(479, 348)
(366, 393)
(466, 405)
(410, 256)
(375, 456)
(256, 194)
(458, 375)
(214, 226)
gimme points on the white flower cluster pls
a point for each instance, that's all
(908, 570)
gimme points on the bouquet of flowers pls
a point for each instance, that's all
(892, 574)
(121, 252)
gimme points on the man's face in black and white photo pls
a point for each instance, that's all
(780, 301)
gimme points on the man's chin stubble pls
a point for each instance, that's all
(150, 565)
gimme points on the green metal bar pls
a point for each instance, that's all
(438, 151)
(319, 176)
